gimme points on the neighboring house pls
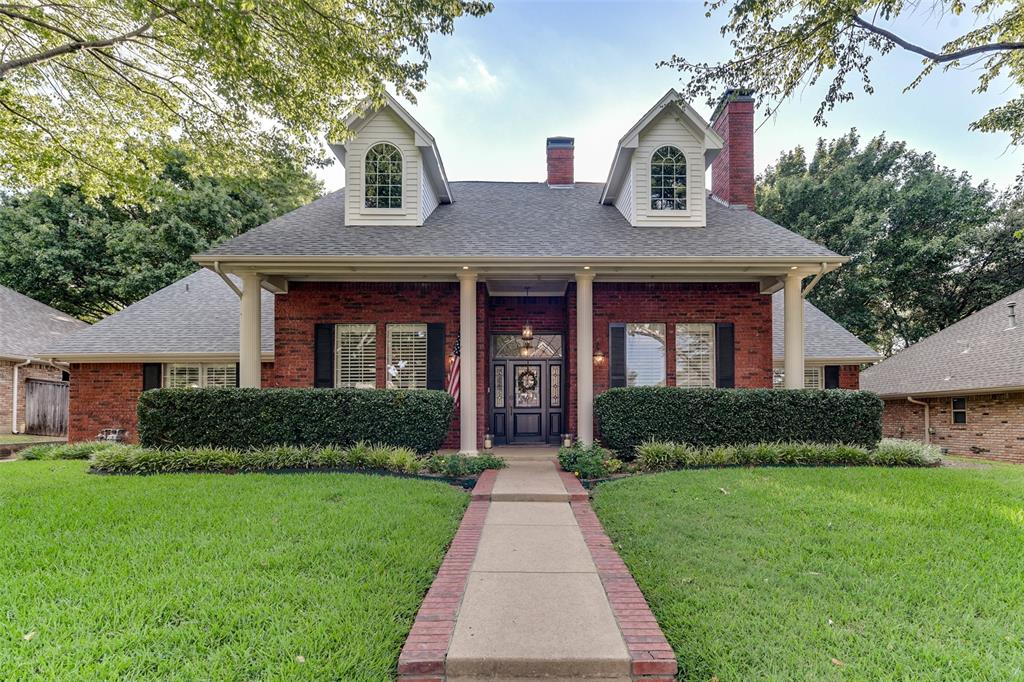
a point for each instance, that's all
(26, 328)
(961, 388)
(554, 291)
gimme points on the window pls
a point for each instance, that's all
(959, 410)
(407, 356)
(645, 354)
(813, 377)
(355, 356)
(695, 355)
(668, 180)
(200, 376)
(383, 180)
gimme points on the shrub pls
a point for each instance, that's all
(662, 456)
(83, 450)
(896, 452)
(246, 418)
(709, 417)
(587, 462)
(133, 459)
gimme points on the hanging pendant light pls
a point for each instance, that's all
(527, 327)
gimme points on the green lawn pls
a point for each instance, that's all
(18, 438)
(215, 577)
(830, 574)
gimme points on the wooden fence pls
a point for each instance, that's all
(46, 407)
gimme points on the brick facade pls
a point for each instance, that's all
(994, 428)
(849, 377)
(33, 371)
(103, 396)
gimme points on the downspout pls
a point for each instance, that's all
(927, 427)
(227, 280)
(14, 406)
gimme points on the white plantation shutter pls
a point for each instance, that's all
(220, 376)
(182, 376)
(645, 355)
(407, 356)
(695, 355)
(813, 377)
(355, 356)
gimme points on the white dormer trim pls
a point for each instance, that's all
(621, 162)
(432, 164)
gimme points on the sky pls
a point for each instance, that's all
(500, 85)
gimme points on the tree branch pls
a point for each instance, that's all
(935, 56)
(77, 46)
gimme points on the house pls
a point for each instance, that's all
(961, 388)
(26, 328)
(552, 291)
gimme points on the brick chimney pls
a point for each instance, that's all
(560, 153)
(732, 171)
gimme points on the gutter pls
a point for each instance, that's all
(927, 426)
(14, 405)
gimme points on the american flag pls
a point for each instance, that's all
(454, 372)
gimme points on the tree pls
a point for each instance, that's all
(91, 257)
(782, 46)
(92, 93)
(928, 245)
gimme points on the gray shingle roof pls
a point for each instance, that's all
(977, 353)
(824, 338)
(28, 326)
(517, 219)
(197, 314)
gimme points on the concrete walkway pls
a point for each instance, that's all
(534, 606)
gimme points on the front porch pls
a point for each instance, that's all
(533, 351)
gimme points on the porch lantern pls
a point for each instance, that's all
(598, 357)
(567, 440)
(488, 441)
(527, 333)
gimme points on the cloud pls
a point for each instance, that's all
(476, 77)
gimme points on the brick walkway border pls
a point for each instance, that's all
(651, 656)
(423, 655)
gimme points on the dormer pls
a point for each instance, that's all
(657, 174)
(393, 170)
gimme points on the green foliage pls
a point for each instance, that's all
(52, 451)
(133, 459)
(587, 462)
(662, 456)
(92, 94)
(783, 47)
(245, 418)
(708, 417)
(170, 577)
(90, 258)
(928, 245)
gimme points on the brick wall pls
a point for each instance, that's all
(994, 428)
(33, 371)
(849, 377)
(732, 171)
(103, 396)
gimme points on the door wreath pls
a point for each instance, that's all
(527, 380)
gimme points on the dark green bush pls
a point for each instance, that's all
(701, 417)
(246, 418)
(588, 462)
(133, 459)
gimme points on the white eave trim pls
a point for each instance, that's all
(949, 393)
(810, 361)
(265, 356)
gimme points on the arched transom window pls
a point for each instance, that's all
(383, 179)
(668, 180)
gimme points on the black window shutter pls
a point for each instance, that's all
(616, 355)
(831, 376)
(238, 371)
(323, 356)
(725, 355)
(152, 375)
(435, 356)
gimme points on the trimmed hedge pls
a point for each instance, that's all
(710, 417)
(247, 418)
(663, 456)
(132, 459)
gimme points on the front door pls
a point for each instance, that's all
(526, 396)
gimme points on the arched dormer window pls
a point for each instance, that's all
(383, 177)
(668, 179)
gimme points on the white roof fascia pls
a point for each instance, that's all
(713, 142)
(423, 139)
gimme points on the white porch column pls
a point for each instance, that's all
(249, 332)
(467, 363)
(585, 357)
(793, 310)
